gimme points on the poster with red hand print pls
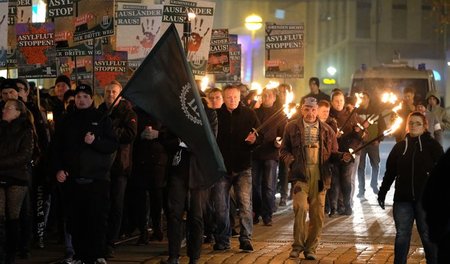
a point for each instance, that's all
(138, 26)
(3, 31)
(36, 53)
(175, 11)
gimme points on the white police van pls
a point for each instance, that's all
(393, 77)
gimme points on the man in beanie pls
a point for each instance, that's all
(315, 91)
(9, 90)
(56, 103)
(308, 147)
(84, 151)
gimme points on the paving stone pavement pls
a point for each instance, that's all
(365, 237)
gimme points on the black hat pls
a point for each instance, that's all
(64, 79)
(9, 84)
(84, 88)
(314, 80)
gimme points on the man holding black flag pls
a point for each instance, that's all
(170, 95)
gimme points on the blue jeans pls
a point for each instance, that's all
(242, 183)
(373, 151)
(404, 215)
(264, 173)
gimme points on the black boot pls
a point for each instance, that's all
(12, 235)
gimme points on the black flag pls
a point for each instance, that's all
(163, 86)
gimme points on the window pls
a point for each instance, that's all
(399, 17)
(428, 21)
(363, 8)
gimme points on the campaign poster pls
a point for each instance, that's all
(175, 11)
(218, 59)
(284, 46)
(3, 31)
(60, 8)
(84, 48)
(77, 68)
(138, 26)
(111, 66)
(233, 38)
(24, 11)
(36, 54)
(95, 19)
(234, 76)
(11, 60)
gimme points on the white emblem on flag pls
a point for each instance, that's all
(190, 108)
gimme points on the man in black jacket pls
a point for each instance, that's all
(84, 148)
(265, 158)
(236, 139)
(124, 122)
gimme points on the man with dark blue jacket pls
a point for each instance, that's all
(84, 151)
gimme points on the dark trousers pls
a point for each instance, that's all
(342, 184)
(264, 180)
(26, 225)
(283, 180)
(87, 218)
(180, 195)
(149, 187)
(373, 152)
(117, 194)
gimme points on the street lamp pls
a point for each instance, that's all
(253, 23)
(331, 70)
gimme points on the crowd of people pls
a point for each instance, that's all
(96, 171)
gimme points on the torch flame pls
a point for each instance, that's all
(396, 108)
(359, 97)
(287, 109)
(204, 83)
(389, 97)
(272, 85)
(394, 126)
(256, 86)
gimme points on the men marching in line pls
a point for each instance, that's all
(134, 148)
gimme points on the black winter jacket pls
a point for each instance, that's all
(350, 138)
(79, 159)
(16, 150)
(410, 163)
(233, 129)
(267, 149)
(124, 122)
